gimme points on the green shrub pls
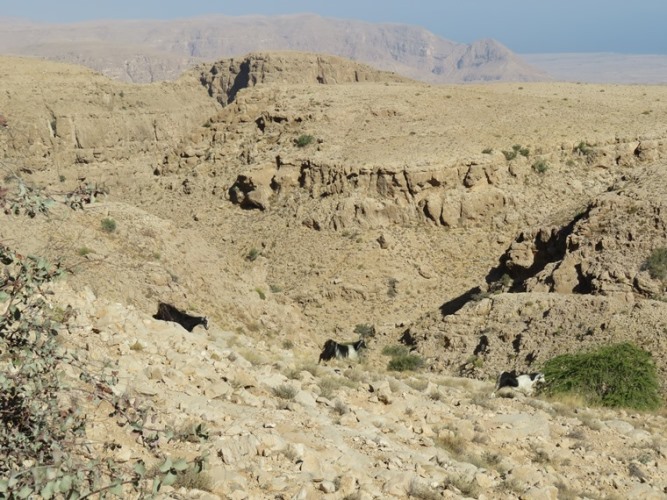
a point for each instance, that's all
(509, 155)
(540, 166)
(364, 330)
(287, 344)
(475, 361)
(303, 140)
(108, 225)
(43, 441)
(405, 362)
(619, 375)
(252, 255)
(656, 264)
(586, 150)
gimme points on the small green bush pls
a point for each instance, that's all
(656, 264)
(509, 155)
(303, 140)
(540, 166)
(405, 362)
(586, 150)
(108, 225)
(252, 255)
(618, 375)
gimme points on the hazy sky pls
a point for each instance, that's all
(525, 26)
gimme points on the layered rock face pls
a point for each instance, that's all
(564, 288)
(79, 116)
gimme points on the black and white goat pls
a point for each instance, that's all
(525, 383)
(333, 349)
(167, 312)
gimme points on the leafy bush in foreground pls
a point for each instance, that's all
(618, 376)
(44, 451)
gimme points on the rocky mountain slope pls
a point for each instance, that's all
(294, 197)
(157, 50)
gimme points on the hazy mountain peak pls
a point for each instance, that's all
(168, 47)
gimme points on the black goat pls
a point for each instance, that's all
(167, 312)
(333, 349)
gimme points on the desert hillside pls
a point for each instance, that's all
(295, 197)
(150, 51)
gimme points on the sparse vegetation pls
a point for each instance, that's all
(468, 487)
(392, 284)
(517, 149)
(656, 264)
(453, 443)
(252, 255)
(364, 330)
(83, 251)
(108, 225)
(619, 375)
(540, 166)
(406, 362)
(304, 140)
(509, 155)
(285, 391)
(192, 433)
(340, 407)
(475, 361)
(422, 491)
(586, 150)
(487, 151)
(288, 344)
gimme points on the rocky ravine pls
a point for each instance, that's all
(393, 211)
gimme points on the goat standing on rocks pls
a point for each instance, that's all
(333, 349)
(167, 312)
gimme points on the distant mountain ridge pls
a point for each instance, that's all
(145, 51)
